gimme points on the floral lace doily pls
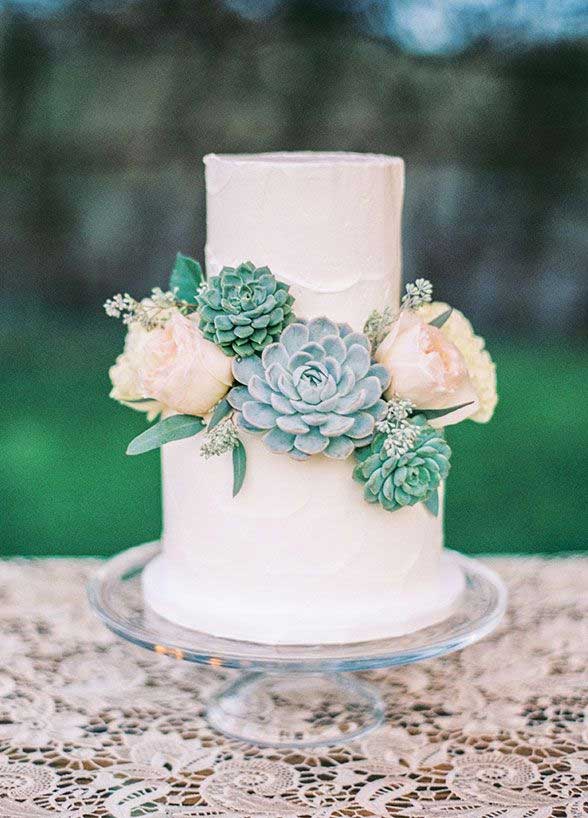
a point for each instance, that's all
(90, 726)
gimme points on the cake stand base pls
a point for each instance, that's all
(283, 710)
(293, 695)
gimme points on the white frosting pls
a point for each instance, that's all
(298, 555)
(328, 224)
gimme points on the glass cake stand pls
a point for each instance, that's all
(292, 695)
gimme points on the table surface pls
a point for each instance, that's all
(90, 726)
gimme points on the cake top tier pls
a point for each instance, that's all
(328, 224)
(305, 158)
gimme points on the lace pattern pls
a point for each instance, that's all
(93, 727)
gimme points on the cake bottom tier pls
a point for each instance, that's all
(286, 615)
(298, 557)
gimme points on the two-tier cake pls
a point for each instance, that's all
(300, 369)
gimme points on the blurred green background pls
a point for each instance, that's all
(106, 112)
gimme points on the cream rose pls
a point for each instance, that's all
(124, 375)
(426, 368)
(481, 368)
(181, 369)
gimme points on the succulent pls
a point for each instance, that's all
(396, 481)
(244, 309)
(314, 391)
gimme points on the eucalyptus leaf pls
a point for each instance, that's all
(239, 467)
(431, 414)
(432, 503)
(221, 410)
(186, 277)
(176, 427)
(441, 319)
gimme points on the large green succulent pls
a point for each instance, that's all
(244, 309)
(395, 480)
(316, 391)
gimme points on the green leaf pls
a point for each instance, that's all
(239, 467)
(431, 414)
(186, 277)
(221, 410)
(174, 428)
(432, 502)
(441, 319)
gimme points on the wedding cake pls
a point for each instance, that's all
(328, 377)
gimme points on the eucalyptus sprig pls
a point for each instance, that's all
(222, 437)
(378, 325)
(176, 427)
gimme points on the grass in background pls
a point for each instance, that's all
(517, 486)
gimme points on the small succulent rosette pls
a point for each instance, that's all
(315, 391)
(396, 480)
(244, 309)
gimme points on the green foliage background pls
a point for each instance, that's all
(517, 485)
(106, 110)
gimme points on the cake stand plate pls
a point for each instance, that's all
(293, 695)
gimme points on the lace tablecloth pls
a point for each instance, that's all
(90, 726)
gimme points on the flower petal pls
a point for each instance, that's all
(296, 455)
(273, 374)
(261, 322)
(278, 441)
(356, 338)
(463, 395)
(388, 490)
(346, 381)
(329, 389)
(286, 387)
(358, 358)
(316, 352)
(378, 410)
(376, 482)
(298, 359)
(380, 372)
(294, 337)
(339, 448)
(318, 328)
(333, 366)
(242, 424)
(243, 332)
(274, 354)
(281, 404)
(334, 346)
(245, 368)
(351, 403)
(328, 405)
(373, 391)
(237, 396)
(293, 424)
(363, 425)
(315, 418)
(402, 498)
(259, 415)
(303, 407)
(311, 443)
(259, 390)
(336, 425)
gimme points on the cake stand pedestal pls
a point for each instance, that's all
(293, 695)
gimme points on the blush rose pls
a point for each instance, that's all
(426, 368)
(181, 370)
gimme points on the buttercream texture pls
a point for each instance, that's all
(298, 555)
